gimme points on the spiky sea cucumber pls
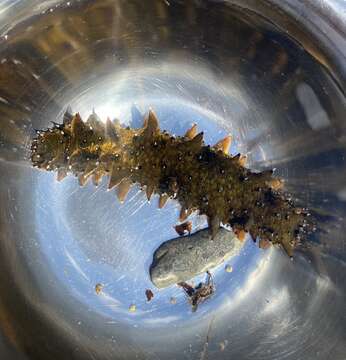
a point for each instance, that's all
(200, 177)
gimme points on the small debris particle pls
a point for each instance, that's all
(98, 288)
(200, 293)
(186, 226)
(173, 300)
(228, 268)
(132, 308)
(149, 294)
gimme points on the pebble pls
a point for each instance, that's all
(98, 288)
(183, 258)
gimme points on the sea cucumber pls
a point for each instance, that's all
(200, 177)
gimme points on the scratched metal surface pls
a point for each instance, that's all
(266, 73)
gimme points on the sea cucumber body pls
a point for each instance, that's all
(200, 177)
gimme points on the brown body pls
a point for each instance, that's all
(200, 177)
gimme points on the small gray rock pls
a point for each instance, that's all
(183, 258)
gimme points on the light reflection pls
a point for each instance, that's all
(253, 280)
(76, 266)
(316, 116)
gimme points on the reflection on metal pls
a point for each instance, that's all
(314, 112)
(210, 63)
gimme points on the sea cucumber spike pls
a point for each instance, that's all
(275, 184)
(123, 189)
(56, 125)
(242, 160)
(74, 157)
(191, 133)
(253, 233)
(77, 128)
(163, 199)
(116, 123)
(111, 131)
(56, 161)
(82, 179)
(265, 175)
(68, 116)
(236, 157)
(93, 118)
(149, 191)
(153, 117)
(240, 233)
(173, 185)
(76, 122)
(62, 173)
(184, 213)
(224, 144)
(89, 170)
(288, 245)
(152, 125)
(96, 178)
(95, 123)
(116, 177)
(198, 139)
(194, 144)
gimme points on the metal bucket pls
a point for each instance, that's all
(272, 73)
